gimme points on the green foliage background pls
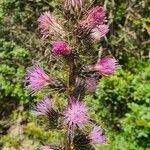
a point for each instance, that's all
(121, 103)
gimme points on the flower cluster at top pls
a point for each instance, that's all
(65, 41)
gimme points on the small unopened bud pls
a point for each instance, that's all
(99, 32)
(96, 136)
(74, 5)
(60, 48)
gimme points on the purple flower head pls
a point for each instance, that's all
(95, 17)
(107, 66)
(96, 136)
(60, 48)
(91, 84)
(98, 32)
(45, 148)
(37, 79)
(77, 114)
(49, 25)
(73, 4)
(43, 108)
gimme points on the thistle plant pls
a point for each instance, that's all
(73, 39)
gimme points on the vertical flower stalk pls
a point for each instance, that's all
(71, 87)
(72, 75)
(70, 46)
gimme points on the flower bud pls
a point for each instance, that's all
(99, 32)
(73, 5)
(96, 136)
(95, 17)
(60, 48)
(107, 66)
(49, 25)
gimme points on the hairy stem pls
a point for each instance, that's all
(72, 75)
(71, 86)
(67, 143)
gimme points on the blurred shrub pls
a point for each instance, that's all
(38, 134)
(18, 42)
(123, 104)
(12, 70)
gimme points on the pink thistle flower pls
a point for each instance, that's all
(96, 136)
(61, 48)
(91, 84)
(49, 25)
(95, 17)
(107, 66)
(77, 114)
(45, 148)
(37, 79)
(73, 4)
(43, 108)
(98, 32)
